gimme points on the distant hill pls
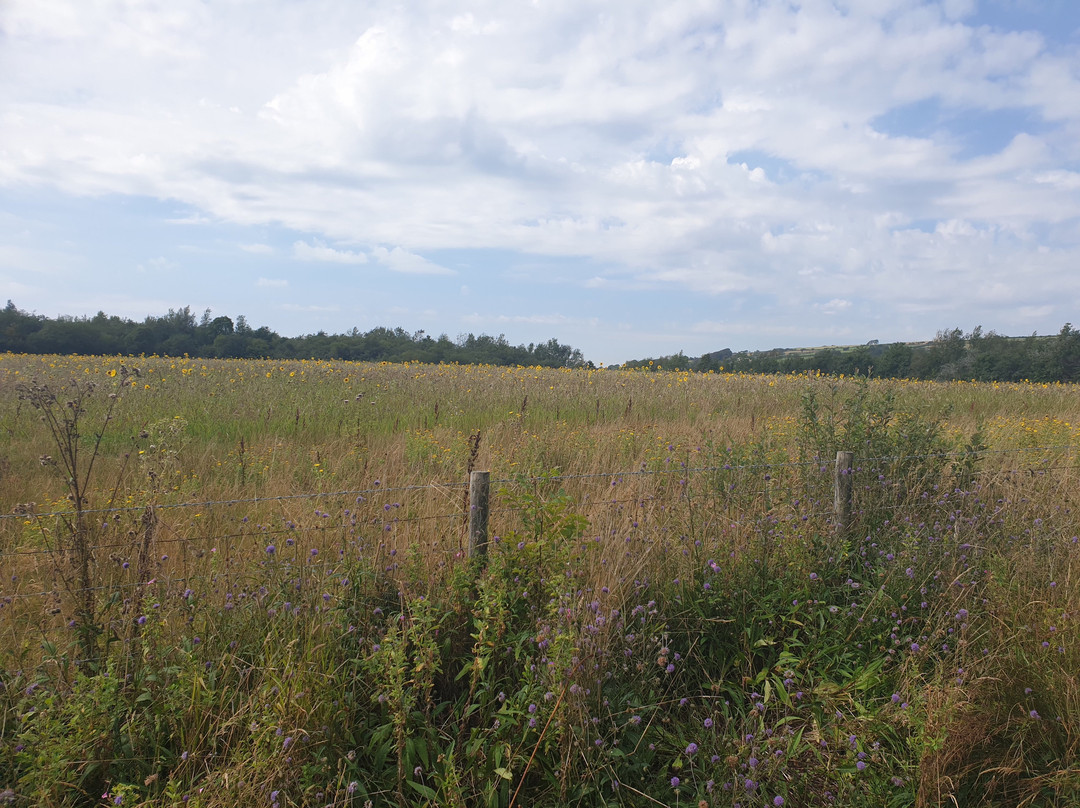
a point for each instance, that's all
(871, 346)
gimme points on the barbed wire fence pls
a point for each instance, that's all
(171, 549)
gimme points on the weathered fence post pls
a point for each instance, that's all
(479, 487)
(842, 488)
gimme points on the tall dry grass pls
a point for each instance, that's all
(279, 554)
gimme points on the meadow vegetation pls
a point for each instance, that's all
(240, 582)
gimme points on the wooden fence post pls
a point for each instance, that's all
(842, 488)
(479, 488)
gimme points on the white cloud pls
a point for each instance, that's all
(733, 150)
(835, 306)
(302, 251)
(272, 283)
(400, 260)
(1065, 180)
(196, 219)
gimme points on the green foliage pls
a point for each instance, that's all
(951, 355)
(178, 334)
(901, 454)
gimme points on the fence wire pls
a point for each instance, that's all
(749, 488)
(823, 465)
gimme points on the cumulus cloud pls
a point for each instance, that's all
(900, 153)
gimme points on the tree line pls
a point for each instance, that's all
(951, 355)
(179, 332)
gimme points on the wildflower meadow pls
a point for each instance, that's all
(241, 582)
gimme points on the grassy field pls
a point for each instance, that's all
(244, 582)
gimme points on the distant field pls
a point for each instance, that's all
(841, 348)
(265, 597)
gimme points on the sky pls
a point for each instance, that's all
(632, 177)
